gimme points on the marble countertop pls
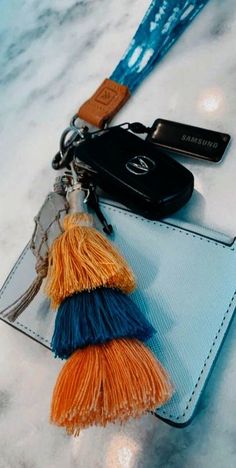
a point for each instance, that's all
(53, 56)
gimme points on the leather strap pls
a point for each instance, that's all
(161, 26)
(104, 103)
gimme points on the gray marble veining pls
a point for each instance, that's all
(53, 56)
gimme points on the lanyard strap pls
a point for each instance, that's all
(163, 23)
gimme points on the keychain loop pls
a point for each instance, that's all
(73, 134)
(77, 133)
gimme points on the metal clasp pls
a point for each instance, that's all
(73, 135)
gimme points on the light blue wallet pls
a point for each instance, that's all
(186, 287)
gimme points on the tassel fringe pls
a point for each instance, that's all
(108, 383)
(13, 311)
(82, 259)
(97, 317)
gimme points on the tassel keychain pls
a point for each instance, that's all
(110, 375)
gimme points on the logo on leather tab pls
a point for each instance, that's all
(104, 103)
(106, 96)
(140, 165)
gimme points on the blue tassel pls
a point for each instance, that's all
(95, 317)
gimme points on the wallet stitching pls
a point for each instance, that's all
(198, 236)
(5, 286)
(172, 228)
(32, 331)
(177, 418)
(14, 270)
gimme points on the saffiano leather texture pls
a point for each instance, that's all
(186, 279)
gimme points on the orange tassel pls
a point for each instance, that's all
(108, 383)
(83, 259)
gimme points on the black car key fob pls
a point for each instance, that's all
(136, 173)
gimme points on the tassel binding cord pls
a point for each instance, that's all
(83, 259)
(110, 375)
(13, 311)
(54, 206)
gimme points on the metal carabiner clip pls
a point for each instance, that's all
(72, 135)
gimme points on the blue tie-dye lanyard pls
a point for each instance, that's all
(163, 23)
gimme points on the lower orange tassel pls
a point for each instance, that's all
(108, 383)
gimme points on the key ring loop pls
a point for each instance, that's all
(73, 134)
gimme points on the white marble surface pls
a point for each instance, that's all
(53, 55)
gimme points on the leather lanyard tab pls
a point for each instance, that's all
(161, 26)
(104, 103)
